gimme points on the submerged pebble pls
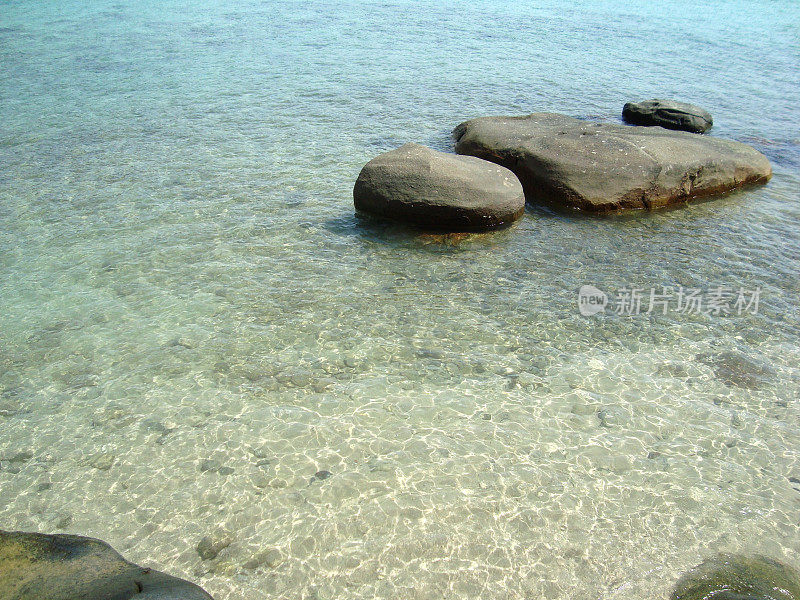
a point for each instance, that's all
(102, 461)
(269, 557)
(63, 521)
(612, 417)
(320, 476)
(20, 457)
(210, 546)
(212, 465)
(10, 406)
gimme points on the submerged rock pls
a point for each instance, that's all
(102, 461)
(320, 476)
(669, 114)
(734, 577)
(601, 167)
(211, 545)
(737, 369)
(20, 457)
(435, 190)
(35, 566)
(10, 406)
(212, 465)
(270, 557)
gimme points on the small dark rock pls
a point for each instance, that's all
(212, 465)
(321, 476)
(668, 114)
(22, 456)
(611, 417)
(351, 362)
(209, 464)
(181, 342)
(154, 425)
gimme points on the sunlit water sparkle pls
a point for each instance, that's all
(193, 321)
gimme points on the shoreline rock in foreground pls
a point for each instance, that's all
(439, 191)
(603, 167)
(735, 577)
(35, 566)
(669, 114)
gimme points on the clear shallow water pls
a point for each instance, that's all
(194, 323)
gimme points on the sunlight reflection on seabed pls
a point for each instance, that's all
(198, 339)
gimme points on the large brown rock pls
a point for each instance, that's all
(435, 190)
(600, 167)
(34, 566)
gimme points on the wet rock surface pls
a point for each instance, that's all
(36, 566)
(669, 114)
(735, 577)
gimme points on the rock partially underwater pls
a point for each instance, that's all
(602, 167)
(734, 577)
(669, 114)
(438, 191)
(35, 566)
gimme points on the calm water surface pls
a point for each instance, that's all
(193, 323)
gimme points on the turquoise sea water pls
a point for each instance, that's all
(193, 322)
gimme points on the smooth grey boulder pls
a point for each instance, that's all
(736, 577)
(435, 190)
(35, 566)
(669, 114)
(602, 167)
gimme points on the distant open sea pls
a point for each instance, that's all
(198, 336)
